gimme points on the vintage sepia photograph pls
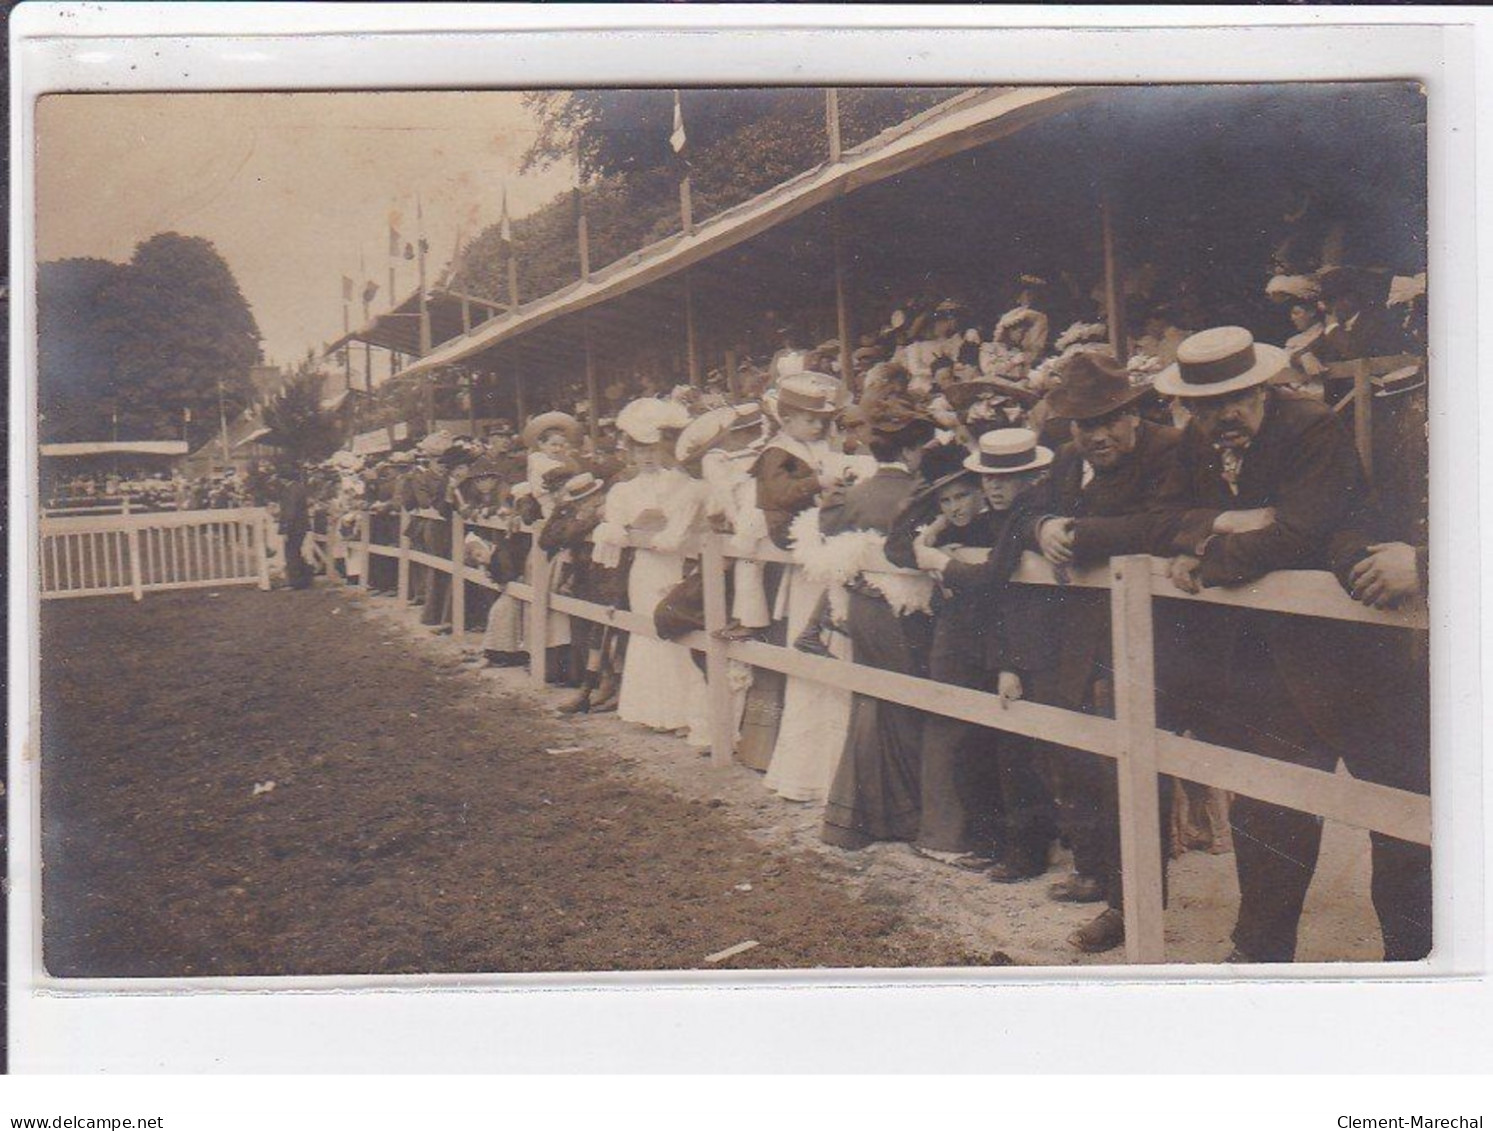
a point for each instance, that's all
(580, 531)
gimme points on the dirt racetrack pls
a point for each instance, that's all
(417, 822)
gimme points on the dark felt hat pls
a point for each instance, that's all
(1091, 385)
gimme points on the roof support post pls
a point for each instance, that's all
(591, 395)
(1114, 292)
(691, 337)
(842, 294)
(520, 407)
(832, 123)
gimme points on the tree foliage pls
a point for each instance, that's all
(298, 423)
(147, 340)
(741, 143)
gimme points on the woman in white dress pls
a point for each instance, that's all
(815, 717)
(661, 686)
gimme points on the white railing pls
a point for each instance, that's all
(1142, 751)
(95, 555)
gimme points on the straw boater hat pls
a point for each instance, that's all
(1091, 385)
(1008, 451)
(1214, 363)
(548, 422)
(582, 486)
(809, 392)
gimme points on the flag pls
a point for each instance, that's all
(370, 292)
(409, 251)
(505, 228)
(677, 139)
(347, 288)
(395, 243)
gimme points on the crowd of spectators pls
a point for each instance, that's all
(906, 493)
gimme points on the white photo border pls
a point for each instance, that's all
(779, 1017)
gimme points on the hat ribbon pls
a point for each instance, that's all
(1219, 370)
(1012, 459)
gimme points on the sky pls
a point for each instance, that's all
(290, 188)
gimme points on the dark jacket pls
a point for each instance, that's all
(1113, 514)
(984, 624)
(1302, 462)
(786, 487)
(871, 504)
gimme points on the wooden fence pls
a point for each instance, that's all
(94, 555)
(1132, 738)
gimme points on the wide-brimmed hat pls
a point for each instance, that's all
(400, 459)
(645, 420)
(435, 444)
(1091, 385)
(703, 433)
(893, 412)
(1007, 451)
(808, 392)
(1214, 363)
(745, 416)
(578, 487)
(942, 463)
(485, 468)
(549, 422)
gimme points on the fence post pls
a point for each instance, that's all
(717, 675)
(458, 575)
(1135, 712)
(365, 539)
(403, 584)
(137, 575)
(334, 543)
(539, 608)
(263, 538)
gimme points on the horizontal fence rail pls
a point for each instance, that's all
(98, 555)
(1141, 750)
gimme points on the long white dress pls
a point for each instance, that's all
(661, 686)
(815, 717)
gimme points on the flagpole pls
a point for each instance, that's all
(347, 328)
(505, 234)
(582, 231)
(424, 315)
(679, 142)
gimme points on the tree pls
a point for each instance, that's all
(75, 347)
(167, 332)
(298, 423)
(741, 143)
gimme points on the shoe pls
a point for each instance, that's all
(936, 854)
(440, 629)
(976, 862)
(813, 645)
(738, 631)
(1015, 867)
(1104, 932)
(1076, 889)
(576, 704)
(602, 706)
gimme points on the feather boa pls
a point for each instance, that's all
(836, 561)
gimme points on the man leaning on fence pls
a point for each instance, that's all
(1105, 484)
(1270, 480)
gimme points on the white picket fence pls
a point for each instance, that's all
(1142, 750)
(97, 555)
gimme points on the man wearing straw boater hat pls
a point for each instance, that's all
(1267, 480)
(1105, 482)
